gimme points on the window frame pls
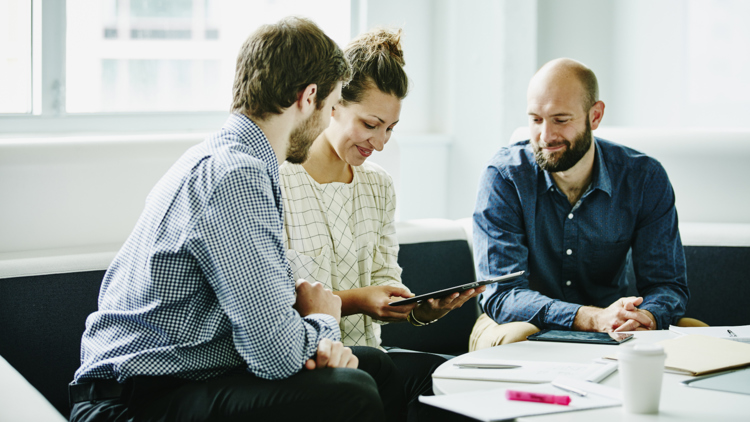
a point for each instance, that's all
(48, 114)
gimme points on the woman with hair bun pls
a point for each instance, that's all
(339, 213)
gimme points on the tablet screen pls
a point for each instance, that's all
(580, 337)
(451, 290)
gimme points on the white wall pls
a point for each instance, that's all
(464, 60)
(79, 192)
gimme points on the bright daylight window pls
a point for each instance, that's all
(718, 69)
(15, 56)
(170, 55)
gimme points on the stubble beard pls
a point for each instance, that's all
(302, 138)
(568, 157)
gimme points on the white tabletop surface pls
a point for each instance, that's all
(678, 402)
(20, 401)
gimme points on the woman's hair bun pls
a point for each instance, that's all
(376, 58)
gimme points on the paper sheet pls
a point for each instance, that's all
(491, 405)
(528, 372)
(742, 332)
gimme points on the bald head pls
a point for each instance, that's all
(570, 76)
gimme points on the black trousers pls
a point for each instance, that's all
(385, 388)
(402, 376)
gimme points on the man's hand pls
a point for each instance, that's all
(313, 298)
(373, 301)
(332, 354)
(433, 309)
(613, 317)
(633, 325)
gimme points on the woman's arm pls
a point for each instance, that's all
(373, 301)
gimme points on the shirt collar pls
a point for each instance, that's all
(600, 179)
(251, 135)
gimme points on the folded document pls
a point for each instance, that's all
(699, 355)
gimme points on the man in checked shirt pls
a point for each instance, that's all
(198, 317)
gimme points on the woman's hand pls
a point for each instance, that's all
(373, 301)
(432, 309)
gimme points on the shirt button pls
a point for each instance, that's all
(570, 216)
(569, 252)
(568, 283)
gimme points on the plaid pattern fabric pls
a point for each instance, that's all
(202, 284)
(343, 236)
(578, 254)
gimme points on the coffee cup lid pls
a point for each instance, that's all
(642, 350)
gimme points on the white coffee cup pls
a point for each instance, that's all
(641, 369)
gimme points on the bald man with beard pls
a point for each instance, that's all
(567, 208)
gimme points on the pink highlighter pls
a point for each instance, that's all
(537, 397)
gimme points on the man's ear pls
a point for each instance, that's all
(596, 114)
(307, 98)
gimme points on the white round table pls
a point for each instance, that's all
(678, 402)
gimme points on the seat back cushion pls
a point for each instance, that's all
(719, 284)
(433, 266)
(43, 318)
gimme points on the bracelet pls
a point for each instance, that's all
(415, 322)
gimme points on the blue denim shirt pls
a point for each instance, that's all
(577, 255)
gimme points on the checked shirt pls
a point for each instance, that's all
(202, 285)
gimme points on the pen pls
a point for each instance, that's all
(537, 397)
(570, 389)
(486, 365)
(731, 333)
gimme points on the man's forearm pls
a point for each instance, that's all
(585, 319)
(662, 317)
(666, 303)
(530, 306)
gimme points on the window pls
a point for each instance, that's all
(133, 64)
(718, 64)
(15, 56)
(170, 55)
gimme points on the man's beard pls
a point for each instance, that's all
(302, 138)
(569, 156)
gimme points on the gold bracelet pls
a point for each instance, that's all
(415, 322)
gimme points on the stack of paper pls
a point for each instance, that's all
(491, 405)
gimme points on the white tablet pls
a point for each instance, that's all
(451, 290)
